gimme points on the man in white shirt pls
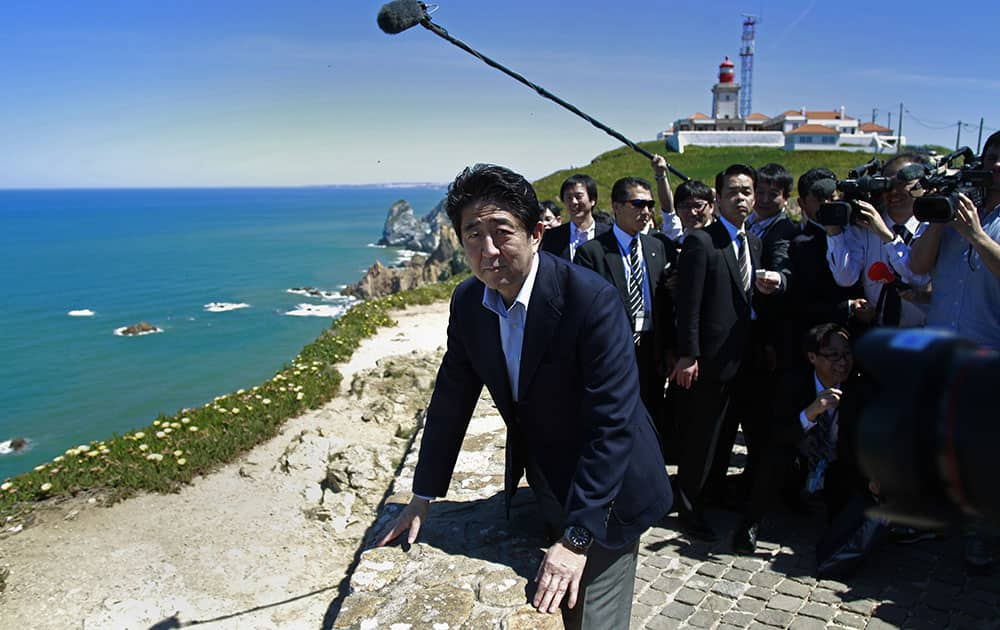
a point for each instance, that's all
(882, 240)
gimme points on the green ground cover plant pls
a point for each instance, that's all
(174, 449)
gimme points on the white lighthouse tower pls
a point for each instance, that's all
(726, 94)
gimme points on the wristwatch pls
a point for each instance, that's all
(577, 539)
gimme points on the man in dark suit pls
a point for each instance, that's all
(813, 294)
(530, 323)
(815, 412)
(714, 311)
(579, 194)
(614, 255)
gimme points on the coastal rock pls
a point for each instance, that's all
(446, 260)
(366, 469)
(139, 329)
(403, 229)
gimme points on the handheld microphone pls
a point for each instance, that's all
(400, 15)
(880, 272)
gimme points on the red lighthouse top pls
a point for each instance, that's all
(726, 74)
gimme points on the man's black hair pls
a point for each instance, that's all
(571, 181)
(818, 337)
(551, 206)
(620, 191)
(904, 158)
(735, 169)
(489, 183)
(810, 177)
(603, 217)
(693, 189)
(777, 176)
(993, 140)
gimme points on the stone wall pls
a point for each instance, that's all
(471, 568)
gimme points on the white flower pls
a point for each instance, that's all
(143, 447)
(6, 486)
(299, 396)
(235, 409)
(181, 461)
(156, 423)
(83, 448)
(168, 430)
(154, 457)
(192, 429)
(40, 468)
(46, 486)
(57, 458)
(178, 453)
(241, 391)
(185, 420)
(161, 434)
(139, 435)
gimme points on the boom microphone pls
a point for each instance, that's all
(400, 15)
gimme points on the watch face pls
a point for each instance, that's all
(579, 536)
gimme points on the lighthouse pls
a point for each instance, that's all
(726, 93)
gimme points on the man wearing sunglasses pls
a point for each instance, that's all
(635, 264)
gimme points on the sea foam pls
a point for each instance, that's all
(315, 293)
(318, 310)
(222, 307)
(83, 312)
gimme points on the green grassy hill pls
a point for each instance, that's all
(696, 162)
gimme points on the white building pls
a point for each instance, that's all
(793, 130)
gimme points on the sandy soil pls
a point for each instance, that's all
(232, 550)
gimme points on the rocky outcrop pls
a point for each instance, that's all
(142, 328)
(446, 260)
(403, 229)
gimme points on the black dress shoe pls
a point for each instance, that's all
(745, 537)
(694, 525)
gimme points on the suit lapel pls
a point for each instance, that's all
(613, 259)
(488, 339)
(544, 310)
(654, 261)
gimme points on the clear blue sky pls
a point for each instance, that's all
(257, 92)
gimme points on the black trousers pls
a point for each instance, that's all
(701, 414)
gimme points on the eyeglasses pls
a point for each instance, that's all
(639, 204)
(693, 207)
(833, 357)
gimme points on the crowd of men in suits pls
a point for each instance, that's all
(745, 317)
(730, 314)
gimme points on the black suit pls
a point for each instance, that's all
(556, 240)
(793, 392)
(604, 256)
(814, 296)
(713, 326)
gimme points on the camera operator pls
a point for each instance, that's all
(963, 259)
(884, 237)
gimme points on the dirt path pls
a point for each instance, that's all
(235, 549)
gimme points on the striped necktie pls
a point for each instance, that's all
(634, 285)
(744, 259)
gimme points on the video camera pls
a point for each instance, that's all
(862, 182)
(946, 182)
(928, 434)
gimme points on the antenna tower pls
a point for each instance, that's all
(746, 64)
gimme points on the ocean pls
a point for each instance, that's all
(212, 269)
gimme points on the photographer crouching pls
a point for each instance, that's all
(962, 256)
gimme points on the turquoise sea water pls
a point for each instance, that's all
(161, 256)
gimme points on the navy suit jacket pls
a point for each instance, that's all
(580, 418)
(556, 240)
